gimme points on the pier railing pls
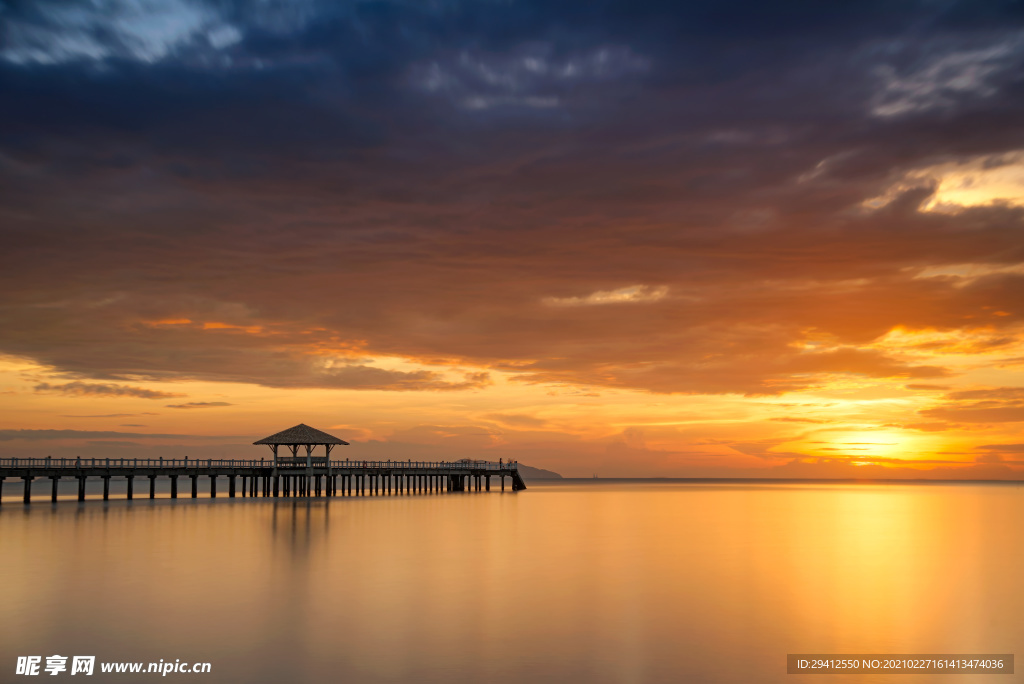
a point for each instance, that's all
(201, 463)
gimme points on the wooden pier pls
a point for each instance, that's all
(262, 478)
(283, 476)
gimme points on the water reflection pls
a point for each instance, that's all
(296, 522)
(606, 582)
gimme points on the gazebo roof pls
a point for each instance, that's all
(301, 434)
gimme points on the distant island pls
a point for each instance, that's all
(529, 473)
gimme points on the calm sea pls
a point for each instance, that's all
(587, 582)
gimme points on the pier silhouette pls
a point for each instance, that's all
(283, 476)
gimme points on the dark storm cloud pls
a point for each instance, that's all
(652, 195)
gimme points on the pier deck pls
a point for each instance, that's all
(288, 477)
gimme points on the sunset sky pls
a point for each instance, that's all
(633, 239)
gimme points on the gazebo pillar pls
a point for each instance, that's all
(330, 471)
(274, 476)
(309, 469)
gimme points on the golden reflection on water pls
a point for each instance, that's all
(585, 582)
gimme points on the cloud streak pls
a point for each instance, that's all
(87, 389)
(48, 435)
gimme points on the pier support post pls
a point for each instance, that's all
(488, 478)
(213, 486)
(231, 486)
(277, 485)
(28, 489)
(81, 487)
(131, 480)
(53, 490)
(106, 487)
(174, 486)
(195, 491)
(502, 483)
(2, 488)
(152, 486)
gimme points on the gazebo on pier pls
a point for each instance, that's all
(302, 472)
(302, 435)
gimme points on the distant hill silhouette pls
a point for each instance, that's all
(529, 473)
